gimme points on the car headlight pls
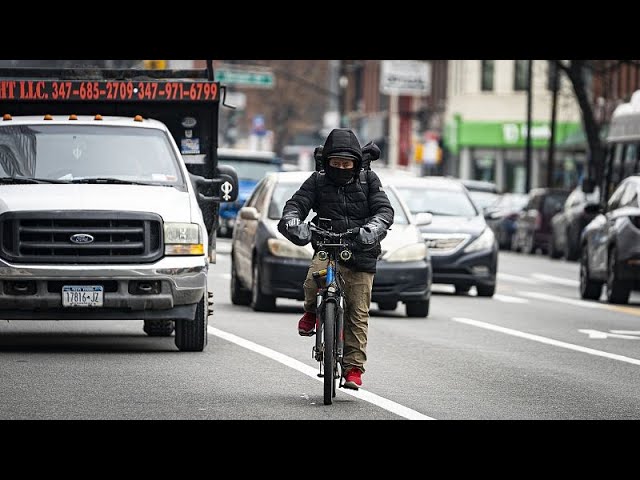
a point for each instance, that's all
(410, 253)
(182, 239)
(484, 242)
(284, 248)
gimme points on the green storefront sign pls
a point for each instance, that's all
(459, 134)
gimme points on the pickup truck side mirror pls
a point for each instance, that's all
(249, 213)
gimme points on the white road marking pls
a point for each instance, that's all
(517, 278)
(557, 280)
(626, 332)
(548, 341)
(313, 373)
(600, 335)
(570, 301)
(509, 299)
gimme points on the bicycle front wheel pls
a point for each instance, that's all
(329, 331)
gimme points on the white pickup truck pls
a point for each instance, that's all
(100, 217)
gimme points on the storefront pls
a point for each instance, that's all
(495, 152)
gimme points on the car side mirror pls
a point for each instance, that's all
(423, 218)
(249, 213)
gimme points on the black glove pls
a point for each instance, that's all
(367, 238)
(298, 233)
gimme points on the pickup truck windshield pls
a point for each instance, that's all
(81, 152)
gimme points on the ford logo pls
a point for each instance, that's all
(81, 238)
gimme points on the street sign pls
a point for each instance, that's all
(246, 78)
(405, 77)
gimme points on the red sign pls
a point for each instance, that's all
(106, 91)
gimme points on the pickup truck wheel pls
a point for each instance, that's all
(158, 328)
(191, 335)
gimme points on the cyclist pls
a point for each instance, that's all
(355, 203)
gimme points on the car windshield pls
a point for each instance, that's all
(77, 152)
(284, 191)
(438, 201)
(254, 170)
(483, 199)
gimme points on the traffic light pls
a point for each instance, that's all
(155, 64)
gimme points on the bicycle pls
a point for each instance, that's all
(330, 306)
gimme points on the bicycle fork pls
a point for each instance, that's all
(318, 349)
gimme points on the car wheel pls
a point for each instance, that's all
(486, 290)
(418, 309)
(259, 301)
(387, 306)
(239, 295)
(589, 289)
(617, 290)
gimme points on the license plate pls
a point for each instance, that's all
(82, 296)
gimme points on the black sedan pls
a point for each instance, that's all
(266, 266)
(463, 249)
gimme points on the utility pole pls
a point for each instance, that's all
(554, 106)
(527, 158)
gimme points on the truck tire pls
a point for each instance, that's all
(158, 328)
(191, 335)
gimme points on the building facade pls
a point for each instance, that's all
(486, 124)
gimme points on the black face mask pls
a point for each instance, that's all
(339, 176)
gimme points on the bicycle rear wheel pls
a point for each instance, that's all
(329, 331)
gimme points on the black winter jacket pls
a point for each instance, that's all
(347, 207)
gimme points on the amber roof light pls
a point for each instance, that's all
(137, 118)
(98, 117)
(73, 116)
(48, 117)
(7, 116)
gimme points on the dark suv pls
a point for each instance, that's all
(611, 247)
(533, 226)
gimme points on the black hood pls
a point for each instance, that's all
(342, 142)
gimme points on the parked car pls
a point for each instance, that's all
(266, 266)
(251, 166)
(484, 194)
(567, 225)
(611, 246)
(501, 217)
(533, 225)
(463, 249)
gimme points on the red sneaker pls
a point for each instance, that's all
(307, 324)
(353, 379)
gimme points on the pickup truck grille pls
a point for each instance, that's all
(100, 237)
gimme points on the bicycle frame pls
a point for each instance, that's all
(330, 306)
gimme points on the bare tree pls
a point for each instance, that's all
(579, 72)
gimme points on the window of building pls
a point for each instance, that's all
(487, 75)
(520, 76)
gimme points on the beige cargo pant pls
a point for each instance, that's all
(357, 287)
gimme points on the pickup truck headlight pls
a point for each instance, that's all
(284, 248)
(410, 253)
(182, 239)
(484, 242)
